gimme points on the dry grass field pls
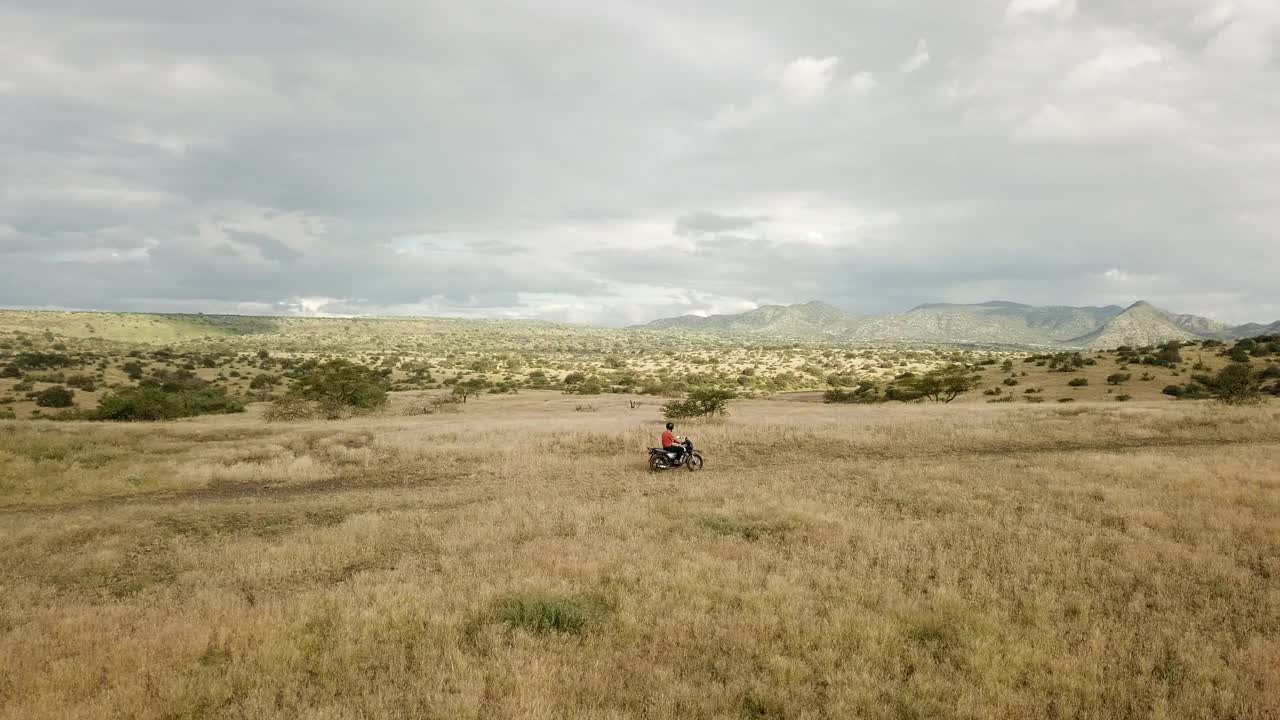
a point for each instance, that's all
(1092, 560)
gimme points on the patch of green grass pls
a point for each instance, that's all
(937, 635)
(751, 529)
(542, 614)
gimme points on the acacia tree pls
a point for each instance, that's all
(342, 383)
(942, 385)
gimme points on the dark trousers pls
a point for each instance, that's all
(677, 449)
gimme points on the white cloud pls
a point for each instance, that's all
(1114, 122)
(1212, 18)
(169, 143)
(862, 83)
(1058, 9)
(919, 59)
(1243, 43)
(799, 83)
(805, 80)
(1112, 65)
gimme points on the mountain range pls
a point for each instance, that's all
(995, 323)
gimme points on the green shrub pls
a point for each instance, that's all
(1236, 384)
(1079, 382)
(291, 409)
(140, 404)
(702, 402)
(1118, 378)
(55, 397)
(263, 381)
(152, 402)
(342, 384)
(41, 361)
(83, 382)
(866, 392)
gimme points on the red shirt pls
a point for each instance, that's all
(668, 439)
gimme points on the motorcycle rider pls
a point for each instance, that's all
(670, 443)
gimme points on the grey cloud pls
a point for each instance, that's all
(698, 223)
(569, 149)
(271, 248)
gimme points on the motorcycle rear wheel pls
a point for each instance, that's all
(656, 464)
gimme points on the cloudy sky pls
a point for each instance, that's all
(612, 162)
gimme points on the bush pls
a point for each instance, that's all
(1079, 382)
(291, 409)
(263, 381)
(10, 371)
(82, 382)
(55, 397)
(1174, 390)
(1118, 378)
(41, 361)
(702, 402)
(590, 386)
(138, 404)
(865, 393)
(152, 402)
(902, 394)
(1236, 384)
(342, 384)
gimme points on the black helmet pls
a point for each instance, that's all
(671, 426)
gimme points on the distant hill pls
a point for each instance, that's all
(996, 322)
(814, 319)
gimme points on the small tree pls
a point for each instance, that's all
(1118, 378)
(944, 384)
(55, 397)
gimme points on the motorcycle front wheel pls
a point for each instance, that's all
(695, 462)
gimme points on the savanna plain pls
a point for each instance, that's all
(512, 556)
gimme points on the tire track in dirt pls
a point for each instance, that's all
(231, 492)
(340, 484)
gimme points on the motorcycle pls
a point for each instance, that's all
(660, 459)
